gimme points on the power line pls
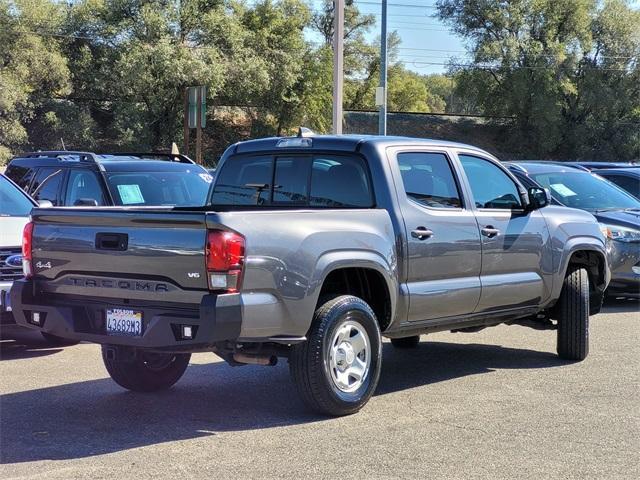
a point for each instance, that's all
(497, 67)
(404, 5)
(205, 47)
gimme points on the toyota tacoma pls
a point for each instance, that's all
(313, 248)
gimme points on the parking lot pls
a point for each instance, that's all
(495, 404)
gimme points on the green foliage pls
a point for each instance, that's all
(566, 71)
(32, 67)
(111, 74)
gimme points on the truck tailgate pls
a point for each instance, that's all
(143, 254)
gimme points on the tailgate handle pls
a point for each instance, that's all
(112, 241)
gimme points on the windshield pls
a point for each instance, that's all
(585, 191)
(186, 188)
(13, 203)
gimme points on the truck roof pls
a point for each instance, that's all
(336, 142)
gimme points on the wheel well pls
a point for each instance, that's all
(365, 283)
(594, 264)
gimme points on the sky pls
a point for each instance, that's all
(427, 44)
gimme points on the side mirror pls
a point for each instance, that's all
(538, 198)
(85, 202)
(45, 204)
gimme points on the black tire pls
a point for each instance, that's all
(309, 362)
(58, 341)
(406, 342)
(573, 316)
(145, 371)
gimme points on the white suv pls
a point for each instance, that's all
(15, 207)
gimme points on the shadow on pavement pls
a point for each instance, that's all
(18, 343)
(97, 417)
(621, 305)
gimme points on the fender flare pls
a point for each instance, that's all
(572, 246)
(368, 259)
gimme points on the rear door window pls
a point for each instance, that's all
(22, 176)
(46, 185)
(428, 179)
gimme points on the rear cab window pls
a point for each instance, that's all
(307, 180)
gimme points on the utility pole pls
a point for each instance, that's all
(338, 64)
(381, 91)
(199, 101)
(185, 132)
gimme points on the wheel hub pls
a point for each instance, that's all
(349, 356)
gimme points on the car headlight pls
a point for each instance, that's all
(620, 234)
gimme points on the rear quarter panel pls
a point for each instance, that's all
(290, 253)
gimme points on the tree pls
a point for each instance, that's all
(535, 61)
(33, 71)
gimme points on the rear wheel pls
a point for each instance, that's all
(573, 315)
(142, 371)
(406, 342)
(337, 369)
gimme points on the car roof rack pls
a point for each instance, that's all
(171, 157)
(75, 155)
(81, 156)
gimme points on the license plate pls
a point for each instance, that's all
(121, 321)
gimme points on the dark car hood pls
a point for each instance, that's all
(620, 218)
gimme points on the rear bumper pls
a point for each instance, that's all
(6, 316)
(217, 318)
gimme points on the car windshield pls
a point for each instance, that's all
(585, 191)
(13, 203)
(185, 188)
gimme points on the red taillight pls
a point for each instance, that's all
(225, 260)
(27, 242)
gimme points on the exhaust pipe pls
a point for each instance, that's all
(265, 360)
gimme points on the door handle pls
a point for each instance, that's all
(421, 233)
(490, 232)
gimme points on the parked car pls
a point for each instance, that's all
(311, 248)
(627, 179)
(87, 179)
(616, 210)
(600, 165)
(15, 207)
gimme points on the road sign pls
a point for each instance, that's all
(193, 106)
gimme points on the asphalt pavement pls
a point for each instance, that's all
(493, 404)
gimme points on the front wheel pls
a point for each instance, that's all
(142, 371)
(337, 369)
(573, 316)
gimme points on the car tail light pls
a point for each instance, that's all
(27, 243)
(225, 260)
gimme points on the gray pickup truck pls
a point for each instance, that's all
(312, 248)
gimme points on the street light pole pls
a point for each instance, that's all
(381, 99)
(338, 65)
